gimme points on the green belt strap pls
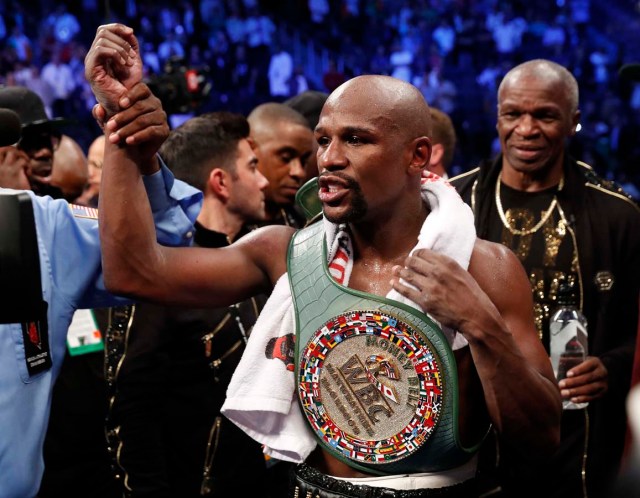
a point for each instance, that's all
(317, 297)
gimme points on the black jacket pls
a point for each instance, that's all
(607, 227)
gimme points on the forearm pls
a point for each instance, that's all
(127, 232)
(522, 398)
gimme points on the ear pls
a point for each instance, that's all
(437, 151)
(219, 183)
(420, 154)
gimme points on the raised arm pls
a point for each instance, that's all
(134, 263)
(491, 305)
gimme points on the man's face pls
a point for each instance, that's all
(39, 144)
(247, 198)
(283, 151)
(359, 152)
(534, 120)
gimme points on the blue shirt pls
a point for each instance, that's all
(71, 274)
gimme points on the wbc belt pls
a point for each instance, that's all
(377, 379)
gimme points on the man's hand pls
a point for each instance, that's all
(113, 65)
(13, 168)
(585, 382)
(437, 284)
(142, 123)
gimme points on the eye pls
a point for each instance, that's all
(547, 117)
(322, 141)
(354, 140)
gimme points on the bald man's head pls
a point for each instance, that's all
(388, 99)
(283, 144)
(264, 116)
(70, 171)
(537, 113)
(373, 147)
(549, 72)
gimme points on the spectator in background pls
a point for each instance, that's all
(444, 36)
(31, 78)
(443, 143)
(212, 13)
(438, 91)
(260, 31)
(59, 76)
(332, 77)
(95, 158)
(280, 73)
(70, 172)
(284, 144)
(379, 63)
(507, 31)
(309, 104)
(40, 137)
(170, 48)
(554, 36)
(21, 44)
(65, 25)
(235, 25)
(562, 220)
(401, 59)
(298, 82)
(318, 10)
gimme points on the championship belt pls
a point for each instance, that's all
(376, 379)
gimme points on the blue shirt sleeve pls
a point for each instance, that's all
(175, 206)
(70, 245)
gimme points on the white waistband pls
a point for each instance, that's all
(424, 480)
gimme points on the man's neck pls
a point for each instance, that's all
(531, 181)
(391, 238)
(281, 214)
(274, 211)
(214, 216)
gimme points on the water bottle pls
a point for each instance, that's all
(567, 336)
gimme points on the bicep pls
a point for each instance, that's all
(508, 287)
(203, 277)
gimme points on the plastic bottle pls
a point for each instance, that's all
(568, 336)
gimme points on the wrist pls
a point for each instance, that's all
(150, 166)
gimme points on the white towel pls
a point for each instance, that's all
(261, 397)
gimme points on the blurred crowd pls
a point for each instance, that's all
(235, 54)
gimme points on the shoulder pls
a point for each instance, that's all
(87, 212)
(498, 271)
(464, 182)
(464, 178)
(269, 236)
(606, 191)
(267, 246)
(492, 254)
(55, 215)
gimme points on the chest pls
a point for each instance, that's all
(372, 277)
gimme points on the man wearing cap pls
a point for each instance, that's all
(40, 137)
(69, 259)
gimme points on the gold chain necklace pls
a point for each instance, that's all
(543, 219)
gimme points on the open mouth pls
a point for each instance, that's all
(332, 190)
